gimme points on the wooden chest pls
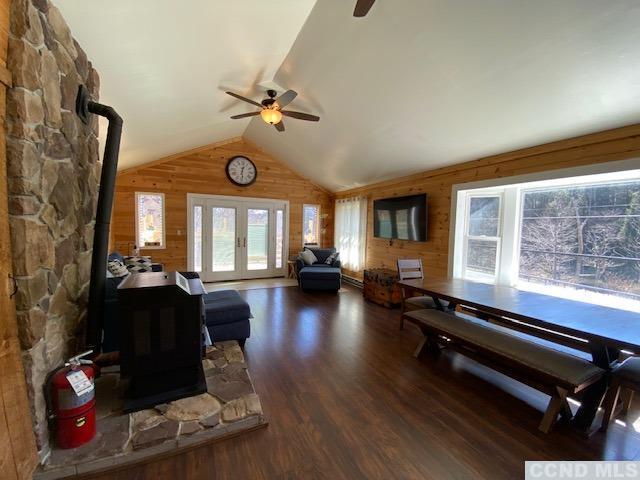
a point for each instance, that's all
(380, 285)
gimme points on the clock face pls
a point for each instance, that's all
(241, 171)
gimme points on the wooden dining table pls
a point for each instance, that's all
(601, 331)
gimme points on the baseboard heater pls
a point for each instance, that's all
(352, 281)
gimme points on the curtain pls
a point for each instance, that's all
(351, 232)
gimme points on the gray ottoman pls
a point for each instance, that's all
(227, 316)
(319, 278)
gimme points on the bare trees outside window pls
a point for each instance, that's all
(585, 237)
(576, 237)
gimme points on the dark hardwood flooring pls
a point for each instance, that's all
(345, 399)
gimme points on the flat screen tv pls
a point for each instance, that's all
(402, 218)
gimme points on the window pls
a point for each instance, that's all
(576, 237)
(279, 236)
(310, 225)
(482, 236)
(150, 220)
(197, 238)
(351, 232)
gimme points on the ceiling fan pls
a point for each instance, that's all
(271, 109)
(363, 7)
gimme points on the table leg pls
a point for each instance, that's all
(594, 394)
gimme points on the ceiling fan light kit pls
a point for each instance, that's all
(271, 116)
(271, 109)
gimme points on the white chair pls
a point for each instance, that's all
(408, 269)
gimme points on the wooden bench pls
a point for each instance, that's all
(549, 370)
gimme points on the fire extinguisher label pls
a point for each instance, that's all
(79, 382)
(68, 400)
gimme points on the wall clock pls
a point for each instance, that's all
(241, 171)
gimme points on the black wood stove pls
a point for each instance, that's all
(161, 318)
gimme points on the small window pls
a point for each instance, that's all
(482, 237)
(311, 225)
(150, 220)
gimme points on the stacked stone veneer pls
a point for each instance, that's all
(53, 170)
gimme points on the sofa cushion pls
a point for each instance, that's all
(331, 258)
(225, 306)
(308, 257)
(116, 268)
(319, 272)
(321, 253)
(138, 264)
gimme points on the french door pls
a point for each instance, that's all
(234, 238)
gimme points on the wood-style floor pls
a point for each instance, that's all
(345, 399)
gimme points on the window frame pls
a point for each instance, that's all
(466, 237)
(163, 243)
(513, 191)
(317, 226)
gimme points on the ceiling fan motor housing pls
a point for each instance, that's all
(268, 102)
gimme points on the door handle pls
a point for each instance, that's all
(245, 242)
(238, 242)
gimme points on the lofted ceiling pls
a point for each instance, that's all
(415, 85)
(164, 64)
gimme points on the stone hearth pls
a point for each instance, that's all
(229, 406)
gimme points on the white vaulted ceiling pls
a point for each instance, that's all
(415, 85)
(164, 64)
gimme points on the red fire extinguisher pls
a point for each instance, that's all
(72, 403)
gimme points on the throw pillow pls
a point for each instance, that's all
(138, 264)
(308, 257)
(117, 268)
(331, 258)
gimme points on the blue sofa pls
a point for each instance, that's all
(320, 275)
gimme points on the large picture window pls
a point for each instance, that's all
(577, 238)
(150, 220)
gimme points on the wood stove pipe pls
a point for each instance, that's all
(84, 108)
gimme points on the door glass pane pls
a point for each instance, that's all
(223, 238)
(197, 238)
(484, 216)
(481, 256)
(279, 237)
(257, 239)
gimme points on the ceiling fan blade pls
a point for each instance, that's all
(280, 126)
(286, 98)
(244, 99)
(301, 116)
(363, 7)
(245, 115)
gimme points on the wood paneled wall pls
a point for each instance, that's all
(203, 171)
(18, 455)
(618, 144)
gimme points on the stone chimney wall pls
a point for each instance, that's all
(53, 172)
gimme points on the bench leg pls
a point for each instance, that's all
(418, 351)
(610, 401)
(429, 343)
(556, 406)
(626, 396)
(566, 414)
